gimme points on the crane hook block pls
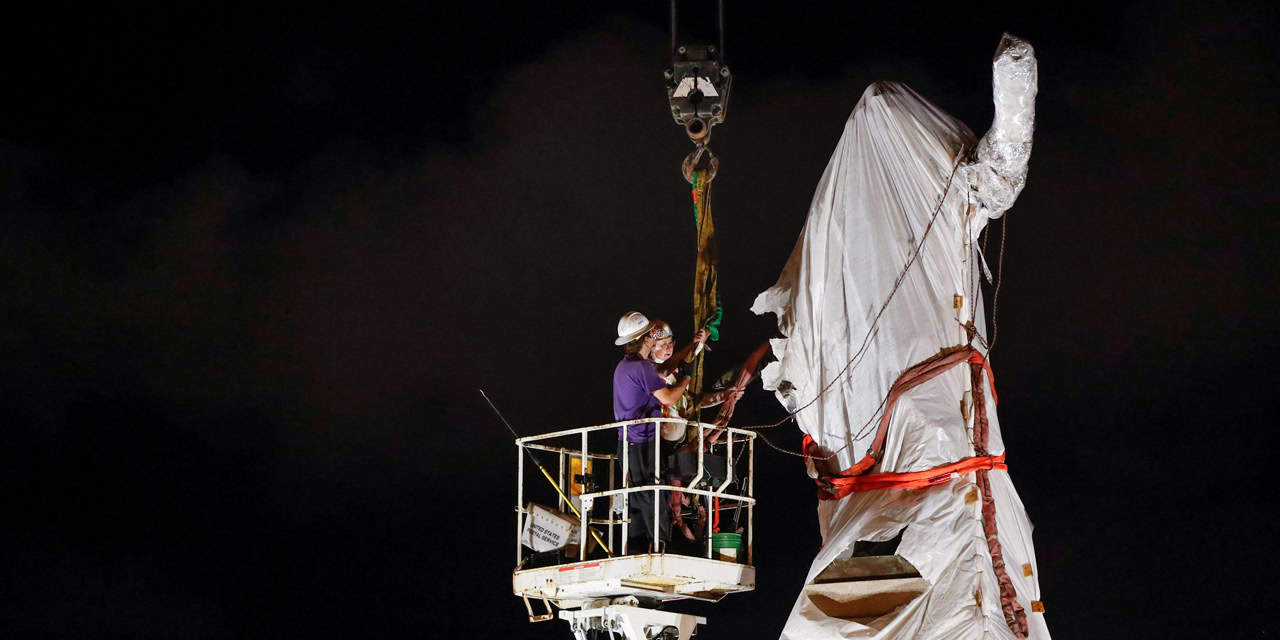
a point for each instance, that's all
(698, 85)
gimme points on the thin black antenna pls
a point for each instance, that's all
(547, 475)
(500, 416)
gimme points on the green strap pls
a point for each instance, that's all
(696, 219)
(713, 326)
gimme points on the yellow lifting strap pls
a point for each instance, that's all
(706, 273)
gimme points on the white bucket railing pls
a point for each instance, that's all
(738, 437)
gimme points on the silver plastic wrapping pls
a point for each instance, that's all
(999, 172)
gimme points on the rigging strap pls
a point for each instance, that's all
(707, 311)
(914, 376)
(854, 479)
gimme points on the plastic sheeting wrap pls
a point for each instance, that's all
(907, 184)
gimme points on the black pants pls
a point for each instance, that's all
(640, 471)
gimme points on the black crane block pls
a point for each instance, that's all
(698, 84)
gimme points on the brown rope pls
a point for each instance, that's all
(1014, 615)
(995, 297)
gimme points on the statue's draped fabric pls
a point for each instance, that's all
(886, 274)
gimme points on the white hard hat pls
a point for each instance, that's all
(632, 325)
(659, 330)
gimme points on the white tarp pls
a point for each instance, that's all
(898, 158)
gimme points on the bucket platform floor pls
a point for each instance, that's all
(656, 576)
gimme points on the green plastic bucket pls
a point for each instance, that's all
(726, 546)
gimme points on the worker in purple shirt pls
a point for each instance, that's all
(639, 392)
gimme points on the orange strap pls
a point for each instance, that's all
(991, 377)
(865, 463)
(852, 479)
(843, 486)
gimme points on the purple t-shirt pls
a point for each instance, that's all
(634, 381)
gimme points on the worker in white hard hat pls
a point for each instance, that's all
(639, 392)
(674, 434)
(663, 348)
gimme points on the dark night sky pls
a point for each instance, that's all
(256, 263)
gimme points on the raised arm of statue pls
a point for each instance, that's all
(999, 171)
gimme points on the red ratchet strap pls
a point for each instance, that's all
(853, 478)
(843, 486)
(977, 358)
